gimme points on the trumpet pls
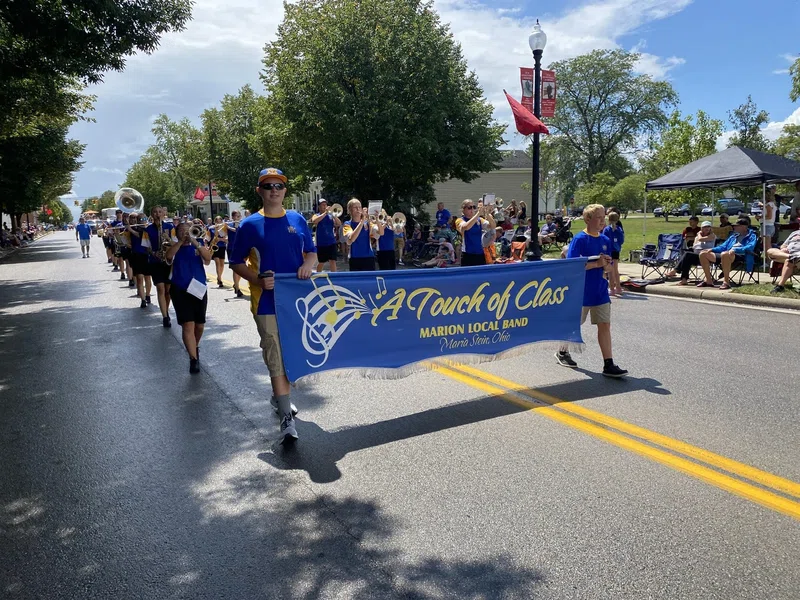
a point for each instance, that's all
(498, 203)
(336, 211)
(198, 232)
(128, 200)
(382, 217)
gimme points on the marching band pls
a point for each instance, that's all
(172, 255)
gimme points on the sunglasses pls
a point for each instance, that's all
(272, 186)
(469, 207)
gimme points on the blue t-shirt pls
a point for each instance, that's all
(386, 241)
(472, 236)
(232, 229)
(443, 218)
(617, 236)
(84, 231)
(362, 246)
(153, 238)
(274, 244)
(187, 265)
(595, 291)
(325, 235)
(212, 232)
(136, 242)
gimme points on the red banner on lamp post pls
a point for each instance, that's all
(548, 94)
(526, 80)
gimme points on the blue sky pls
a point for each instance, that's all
(703, 47)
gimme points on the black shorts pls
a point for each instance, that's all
(386, 260)
(125, 252)
(366, 263)
(188, 308)
(614, 255)
(220, 253)
(107, 242)
(326, 253)
(472, 260)
(160, 272)
(139, 263)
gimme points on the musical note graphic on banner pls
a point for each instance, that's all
(326, 312)
(381, 292)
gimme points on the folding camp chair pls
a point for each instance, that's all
(664, 256)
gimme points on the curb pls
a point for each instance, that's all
(13, 251)
(718, 296)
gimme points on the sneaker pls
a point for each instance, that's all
(614, 371)
(122, 277)
(110, 261)
(274, 404)
(143, 304)
(166, 322)
(147, 299)
(220, 285)
(194, 366)
(131, 283)
(777, 289)
(288, 430)
(565, 360)
(239, 294)
(115, 269)
(401, 263)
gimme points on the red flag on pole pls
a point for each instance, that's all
(198, 194)
(526, 122)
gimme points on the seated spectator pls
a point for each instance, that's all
(445, 256)
(704, 240)
(725, 222)
(547, 234)
(725, 253)
(789, 255)
(691, 231)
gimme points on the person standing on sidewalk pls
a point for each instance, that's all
(83, 234)
(273, 240)
(596, 301)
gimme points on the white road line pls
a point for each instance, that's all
(785, 311)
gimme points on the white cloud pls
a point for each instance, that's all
(222, 49)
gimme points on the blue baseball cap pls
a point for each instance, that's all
(271, 172)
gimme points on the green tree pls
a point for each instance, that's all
(50, 44)
(605, 109)
(628, 193)
(597, 191)
(179, 150)
(794, 71)
(158, 188)
(747, 121)
(788, 144)
(374, 97)
(98, 203)
(683, 141)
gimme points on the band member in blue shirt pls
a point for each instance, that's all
(386, 258)
(358, 233)
(273, 240)
(326, 240)
(83, 234)
(471, 226)
(154, 234)
(188, 258)
(138, 260)
(219, 238)
(232, 227)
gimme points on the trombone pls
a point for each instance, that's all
(198, 232)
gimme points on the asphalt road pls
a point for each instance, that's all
(123, 477)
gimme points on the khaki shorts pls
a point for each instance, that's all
(270, 344)
(600, 314)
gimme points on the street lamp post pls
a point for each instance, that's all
(537, 41)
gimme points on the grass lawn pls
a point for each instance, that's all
(639, 231)
(763, 290)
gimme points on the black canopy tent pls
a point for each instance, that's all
(734, 167)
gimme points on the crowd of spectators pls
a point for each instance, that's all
(21, 237)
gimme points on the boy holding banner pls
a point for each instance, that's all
(597, 247)
(273, 240)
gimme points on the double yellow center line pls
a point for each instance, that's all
(720, 471)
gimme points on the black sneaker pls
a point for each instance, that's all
(147, 299)
(131, 283)
(115, 269)
(122, 277)
(777, 289)
(166, 322)
(194, 366)
(110, 261)
(288, 430)
(239, 294)
(220, 285)
(565, 360)
(143, 304)
(614, 371)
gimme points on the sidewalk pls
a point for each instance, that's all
(670, 288)
(8, 251)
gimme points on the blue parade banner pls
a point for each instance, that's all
(393, 319)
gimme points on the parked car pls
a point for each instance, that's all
(658, 212)
(731, 206)
(577, 211)
(93, 224)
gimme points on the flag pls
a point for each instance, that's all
(199, 195)
(526, 122)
